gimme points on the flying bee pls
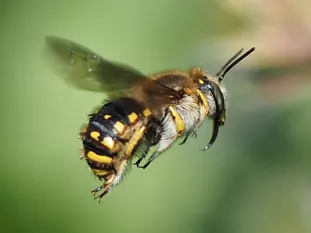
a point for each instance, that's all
(141, 111)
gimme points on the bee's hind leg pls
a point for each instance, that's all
(95, 191)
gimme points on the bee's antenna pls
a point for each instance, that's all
(228, 62)
(232, 62)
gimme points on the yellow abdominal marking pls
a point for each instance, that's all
(203, 98)
(107, 116)
(133, 117)
(108, 142)
(120, 127)
(95, 135)
(179, 122)
(147, 112)
(99, 158)
(134, 141)
(99, 172)
(201, 81)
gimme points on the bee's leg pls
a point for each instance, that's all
(140, 159)
(185, 139)
(138, 162)
(169, 133)
(151, 158)
(95, 191)
(192, 134)
(142, 152)
(106, 186)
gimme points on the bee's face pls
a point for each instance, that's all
(213, 90)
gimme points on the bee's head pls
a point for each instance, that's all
(211, 86)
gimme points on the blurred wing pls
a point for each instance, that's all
(84, 69)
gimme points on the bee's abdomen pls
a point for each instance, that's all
(114, 133)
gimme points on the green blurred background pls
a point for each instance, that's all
(256, 177)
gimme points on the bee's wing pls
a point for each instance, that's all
(84, 69)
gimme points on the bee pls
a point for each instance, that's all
(141, 112)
